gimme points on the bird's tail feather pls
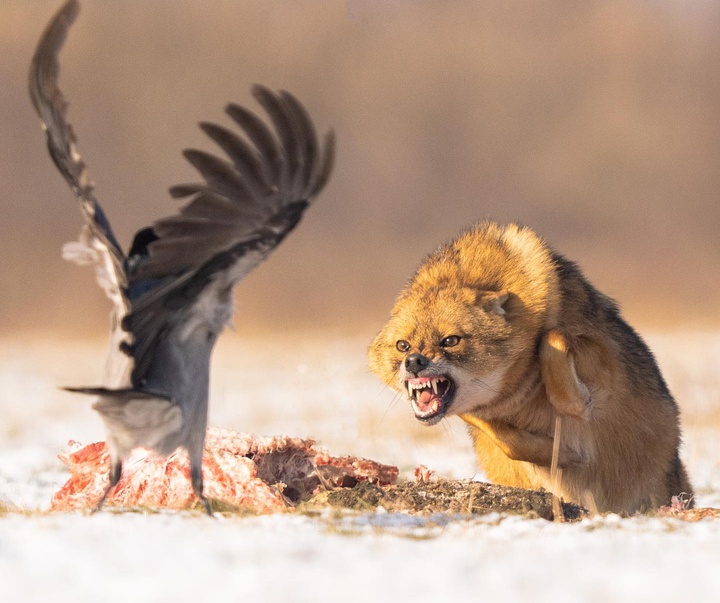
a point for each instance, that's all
(136, 418)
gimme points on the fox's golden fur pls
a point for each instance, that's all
(522, 336)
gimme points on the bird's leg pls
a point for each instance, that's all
(115, 474)
(196, 479)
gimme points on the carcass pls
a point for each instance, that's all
(244, 471)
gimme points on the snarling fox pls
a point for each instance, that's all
(501, 330)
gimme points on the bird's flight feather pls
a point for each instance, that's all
(187, 263)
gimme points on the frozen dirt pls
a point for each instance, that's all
(321, 388)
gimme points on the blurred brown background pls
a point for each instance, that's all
(596, 123)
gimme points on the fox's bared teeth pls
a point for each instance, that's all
(434, 383)
(410, 389)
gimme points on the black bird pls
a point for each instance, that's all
(172, 293)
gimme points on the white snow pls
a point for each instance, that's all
(321, 389)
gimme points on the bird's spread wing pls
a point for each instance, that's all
(178, 277)
(50, 104)
(97, 244)
(181, 271)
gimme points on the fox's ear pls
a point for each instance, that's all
(494, 301)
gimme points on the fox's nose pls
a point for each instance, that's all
(416, 362)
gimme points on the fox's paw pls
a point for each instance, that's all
(566, 392)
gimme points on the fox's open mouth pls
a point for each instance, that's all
(430, 397)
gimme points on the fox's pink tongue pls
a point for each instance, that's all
(426, 399)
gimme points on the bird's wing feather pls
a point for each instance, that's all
(182, 279)
(179, 273)
(51, 106)
(97, 244)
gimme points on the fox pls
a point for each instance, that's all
(499, 329)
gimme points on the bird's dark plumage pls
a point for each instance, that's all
(172, 293)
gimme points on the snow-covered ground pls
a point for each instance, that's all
(321, 388)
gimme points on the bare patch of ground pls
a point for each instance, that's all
(445, 496)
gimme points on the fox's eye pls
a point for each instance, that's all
(450, 341)
(402, 345)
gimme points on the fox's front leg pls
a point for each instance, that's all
(521, 445)
(565, 391)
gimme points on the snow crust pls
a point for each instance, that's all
(322, 390)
